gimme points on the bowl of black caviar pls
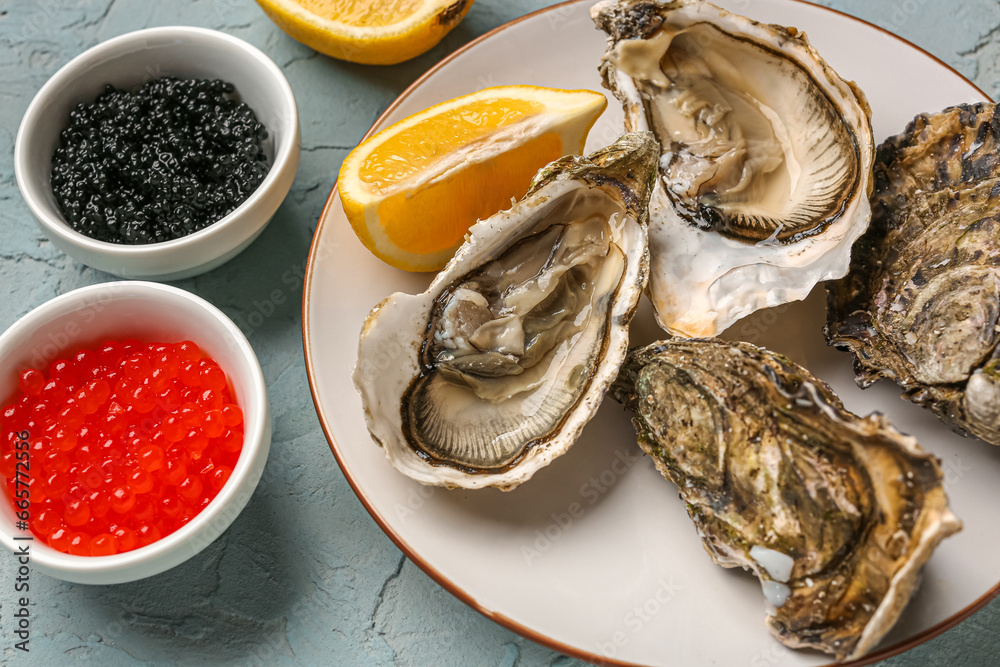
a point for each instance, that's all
(159, 154)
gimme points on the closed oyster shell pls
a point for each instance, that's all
(834, 513)
(922, 301)
(496, 368)
(766, 157)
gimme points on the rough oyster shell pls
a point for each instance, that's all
(921, 303)
(497, 367)
(834, 513)
(766, 157)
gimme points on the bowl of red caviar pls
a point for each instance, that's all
(134, 428)
(159, 154)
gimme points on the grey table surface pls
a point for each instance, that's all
(304, 575)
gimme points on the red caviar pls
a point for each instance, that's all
(128, 442)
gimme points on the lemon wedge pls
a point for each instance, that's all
(372, 32)
(411, 191)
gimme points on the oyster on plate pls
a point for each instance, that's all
(766, 158)
(834, 513)
(922, 301)
(493, 371)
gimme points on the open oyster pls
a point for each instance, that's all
(766, 157)
(493, 371)
(834, 513)
(922, 301)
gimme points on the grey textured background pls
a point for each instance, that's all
(304, 575)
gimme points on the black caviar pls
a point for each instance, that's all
(159, 163)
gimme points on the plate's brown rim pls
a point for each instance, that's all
(443, 581)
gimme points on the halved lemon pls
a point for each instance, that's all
(372, 32)
(412, 190)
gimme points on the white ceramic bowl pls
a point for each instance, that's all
(150, 312)
(128, 61)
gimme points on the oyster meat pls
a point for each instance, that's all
(834, 513)
(493, 371)
(766, 157)
(922, 301)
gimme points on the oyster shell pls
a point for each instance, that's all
(922, 301)
(834, 513)
(493, 371)
(766, 157)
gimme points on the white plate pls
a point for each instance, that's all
(595, 556)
